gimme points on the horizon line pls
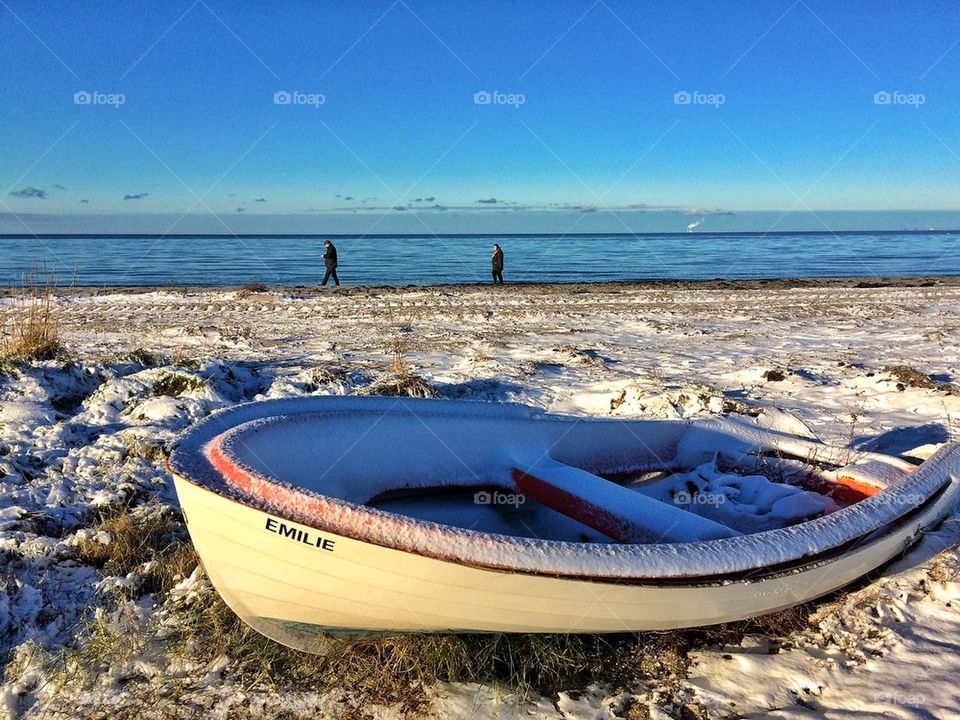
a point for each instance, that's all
(360, 236)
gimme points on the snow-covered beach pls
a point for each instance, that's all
(870, 364)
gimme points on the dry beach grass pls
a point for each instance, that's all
(30, 329)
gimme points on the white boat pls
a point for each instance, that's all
(346, 514)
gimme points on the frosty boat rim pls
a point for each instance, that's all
(756, 555)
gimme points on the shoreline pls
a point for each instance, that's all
(864, 282)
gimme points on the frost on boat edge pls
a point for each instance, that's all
(936, 481)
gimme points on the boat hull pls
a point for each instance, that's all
(293, 582)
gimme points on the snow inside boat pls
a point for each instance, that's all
(345, 514)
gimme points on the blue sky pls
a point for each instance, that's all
(584, 129)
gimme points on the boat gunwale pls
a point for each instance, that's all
(802, 565)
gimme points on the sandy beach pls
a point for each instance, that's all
(866, 363)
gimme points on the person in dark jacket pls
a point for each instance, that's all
(330, 260)
(497, 262)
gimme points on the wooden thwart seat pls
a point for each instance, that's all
(613, 510)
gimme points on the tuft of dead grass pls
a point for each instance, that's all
(174, 384)
(148, 540)
(778, 626)
(775, 375)
(31, 329)
(907, 376)
(8, 368)
(399, 384)
(396, 325)
(144, 357)
(252, 288)
(328, 376)
(179, 360)
(399, 380)
(142, 449)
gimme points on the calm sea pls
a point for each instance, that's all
(397, 260)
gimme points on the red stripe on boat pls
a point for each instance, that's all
(575, 507)
(262, 488)
(290, 503)
(850, 490)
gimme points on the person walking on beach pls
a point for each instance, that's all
(330, 260)
(497, 262)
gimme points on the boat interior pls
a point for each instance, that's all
(500, 469)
